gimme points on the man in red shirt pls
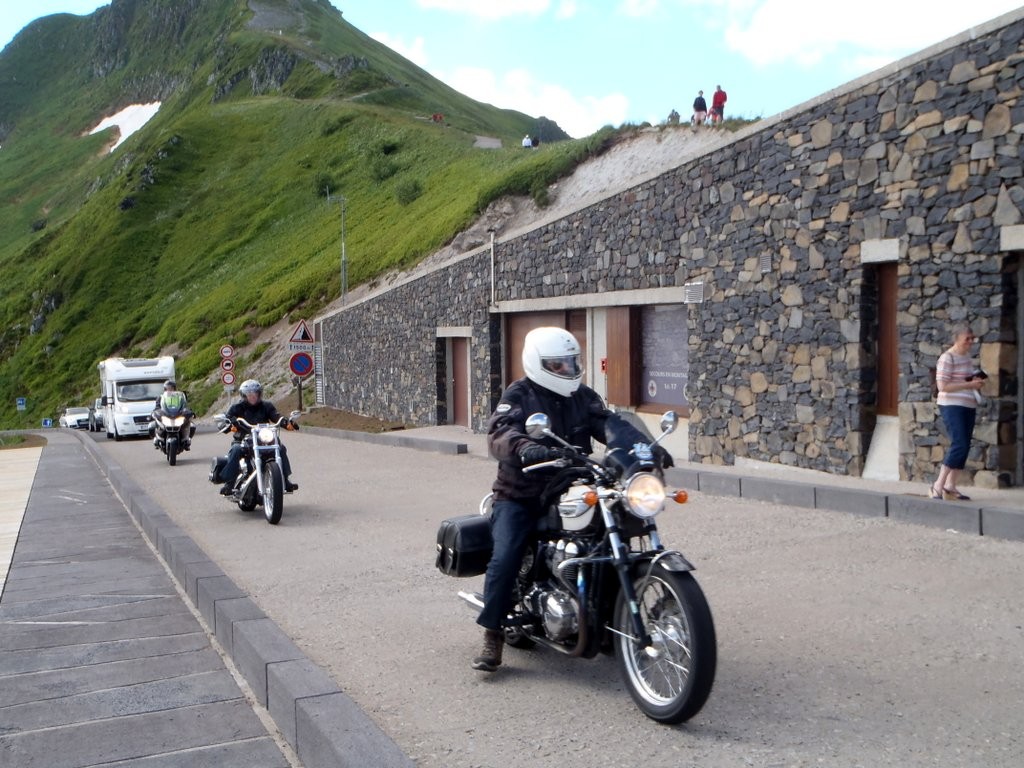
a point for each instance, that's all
(718, 105)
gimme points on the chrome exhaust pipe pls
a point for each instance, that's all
(475, 599)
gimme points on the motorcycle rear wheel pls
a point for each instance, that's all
(671, 680)
(171, 447)
(273, 492)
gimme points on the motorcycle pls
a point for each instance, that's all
(260, 478)
(596, 575)
(171, 427)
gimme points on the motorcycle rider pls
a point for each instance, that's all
(553, 386)
(171, 386)
(255, 410)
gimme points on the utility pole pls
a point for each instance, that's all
(344, 258)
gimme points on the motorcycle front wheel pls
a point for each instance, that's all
(171, 447)
(273, 492)
(671, 679)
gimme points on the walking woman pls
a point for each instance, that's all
(958, 381)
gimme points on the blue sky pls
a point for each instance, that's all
(589, 63)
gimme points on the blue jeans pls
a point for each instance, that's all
(959, 420)
(512, 523)
(230, 471)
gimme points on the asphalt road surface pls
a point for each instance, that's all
(843, 641)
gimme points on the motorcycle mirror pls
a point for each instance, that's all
(294, 415)
(538, 425)
(669, 422)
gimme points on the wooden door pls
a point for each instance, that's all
(888, 341)
(459, 381)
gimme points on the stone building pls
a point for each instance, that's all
(789, 292)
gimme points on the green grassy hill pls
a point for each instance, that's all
(212, 222)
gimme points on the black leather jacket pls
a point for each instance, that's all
(263, 412)
(577, 419)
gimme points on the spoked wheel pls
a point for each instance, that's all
(671, 679)
(172, 450)
(273, 492)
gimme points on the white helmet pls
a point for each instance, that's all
(552, 359)
(250, 386)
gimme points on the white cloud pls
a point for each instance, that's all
(415, 52)
(566, 9)
(488, 9)
(518, 89)
(805, 32)
(638, 7)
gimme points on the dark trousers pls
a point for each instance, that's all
(959, 420)
(512, 523)
(230, 470)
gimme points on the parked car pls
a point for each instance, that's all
(96, 416)
(75, 418)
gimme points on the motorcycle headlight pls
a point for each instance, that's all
(265, 436)
(645, 495)
(172, 422)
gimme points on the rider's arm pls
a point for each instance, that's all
(506, 431)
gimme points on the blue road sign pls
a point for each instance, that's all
(301, 364)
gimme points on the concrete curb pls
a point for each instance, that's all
(321, 723)
(394, 439)
(963, 517)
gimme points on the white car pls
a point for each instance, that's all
(75, 418)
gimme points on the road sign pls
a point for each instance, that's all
(21, 403)
(227, 351)
(47, 422)
(227, 364)
(301, 364)
(228, 378)
(302, 334)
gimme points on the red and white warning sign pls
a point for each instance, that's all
(302, 339)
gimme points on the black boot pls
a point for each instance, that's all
(490, 657)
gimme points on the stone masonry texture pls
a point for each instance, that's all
(782, 348)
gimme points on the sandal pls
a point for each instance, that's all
(935, 493)
(954, 495)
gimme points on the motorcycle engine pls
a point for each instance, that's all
(557, 611)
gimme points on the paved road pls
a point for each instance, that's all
(843, 640)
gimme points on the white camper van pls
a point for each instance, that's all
(130, 387)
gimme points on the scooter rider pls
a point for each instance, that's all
(552, 385)
(255, 410)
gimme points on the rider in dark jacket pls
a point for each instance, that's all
(552, 385)
(255, 410)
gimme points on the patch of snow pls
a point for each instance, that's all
(128, 121)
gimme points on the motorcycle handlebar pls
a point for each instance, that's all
(279, 423)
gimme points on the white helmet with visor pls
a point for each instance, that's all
(552, 358)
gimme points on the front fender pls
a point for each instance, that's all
(670, 560)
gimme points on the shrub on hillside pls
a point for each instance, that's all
(408, 190)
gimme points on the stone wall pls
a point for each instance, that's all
(924, 158)
(381, 356)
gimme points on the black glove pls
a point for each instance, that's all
(535, 454)
(663, 457)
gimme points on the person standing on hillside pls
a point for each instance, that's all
(700, 110)
(718, 105)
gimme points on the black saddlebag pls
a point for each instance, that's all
(217, 464)
(464, 545)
